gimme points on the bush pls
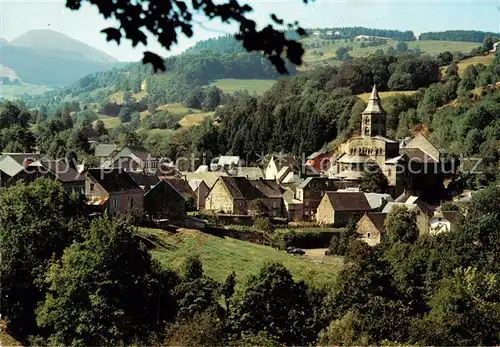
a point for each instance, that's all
(305, 238)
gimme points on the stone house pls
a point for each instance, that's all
(111, 191)
(337, 208)
(293, 208)
(104, 150)
(235, 195)
(311, 191)
(321, 160)
(143, 180)
(164, 201)
(277, 163)
(371, 227)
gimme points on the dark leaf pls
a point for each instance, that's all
(112, 34)
(155, 60)
(276, 19)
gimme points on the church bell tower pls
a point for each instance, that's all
(373, 117)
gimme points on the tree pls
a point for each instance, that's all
(342, 54)
(100, 129)
(401, 226)
(373, 180)
(402, 47)
(275, 303)
(488, 43)
(37, 221)
(105, 290)
(165, 20)
(125, 114)
(452, 70)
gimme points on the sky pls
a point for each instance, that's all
(19, 16)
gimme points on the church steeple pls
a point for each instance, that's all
(373, 117)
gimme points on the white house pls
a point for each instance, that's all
(443, 222)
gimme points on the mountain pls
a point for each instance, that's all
(47, 57)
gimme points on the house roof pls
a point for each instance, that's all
(208, 177)
(180, 184)
(348, 201)
(252, 173)
(317, 154)
(143, 180)
(378, 219)
(194, 184)
(418, 156)
(452, 216)
(376, 200)
(350, 175)
(13, 163)
(242, 188)
(139, 151)
(114, 180)
(60, 169)
(390, 205)
(104, 149)
(202, 168)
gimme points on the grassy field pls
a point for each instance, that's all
(485, 59)
(383, 95)
(221, 255)
(109, 122)
(118, 96)
(194, 118)
(230, 85)
(329, 50)
(12, 92)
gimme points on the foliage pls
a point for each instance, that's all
(373, 180)
(400, 225)
(37, 222)
(94, 281)
(457, 35)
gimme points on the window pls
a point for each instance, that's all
(389, 172)
(92, 185)
(131, 203)
(115, 203)
(368, 235)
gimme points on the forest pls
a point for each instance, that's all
(351, 32)
(458, 35)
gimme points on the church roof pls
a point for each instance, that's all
(374, 105)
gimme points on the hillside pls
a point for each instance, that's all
(222, 255)
(46, 57)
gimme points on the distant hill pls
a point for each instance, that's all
(458, 35)
(47, 57)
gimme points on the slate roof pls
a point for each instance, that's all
(140, 152)
(375, 199)
(208, 177)
(452, 216)
(348, 201)
(252, 173)
(13, 163)
(143, 180)
(378, 219)
(228, 160)
(418, 156)
(114, 180)
(241, 188)
(181, 185)
(60, 169)
(374, 105)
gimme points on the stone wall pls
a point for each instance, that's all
(219, 199)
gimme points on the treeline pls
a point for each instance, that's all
(222, 44)
(458, 35)
(67, 280)
(351, 32)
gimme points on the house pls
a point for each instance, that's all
(164, 201)
(236, 195)
(133, 158)
(181, 185)
(443, 221)
(143, 180)
(338, 208)
(413, 204)
(13, 163)
(321, 160)
(294, 208)
(278, 162)
(371, 227)
(60, 170)
(311, 191)
(111, 191)
(200, 190)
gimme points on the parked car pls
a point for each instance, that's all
(293, 250)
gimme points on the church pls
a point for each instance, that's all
(412, 167)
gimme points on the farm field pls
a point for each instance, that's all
(194, 118)
(230, 85)
(118, 96)
(222, 255)
(15, 91)
(485, 59)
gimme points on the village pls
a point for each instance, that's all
(323, 190)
